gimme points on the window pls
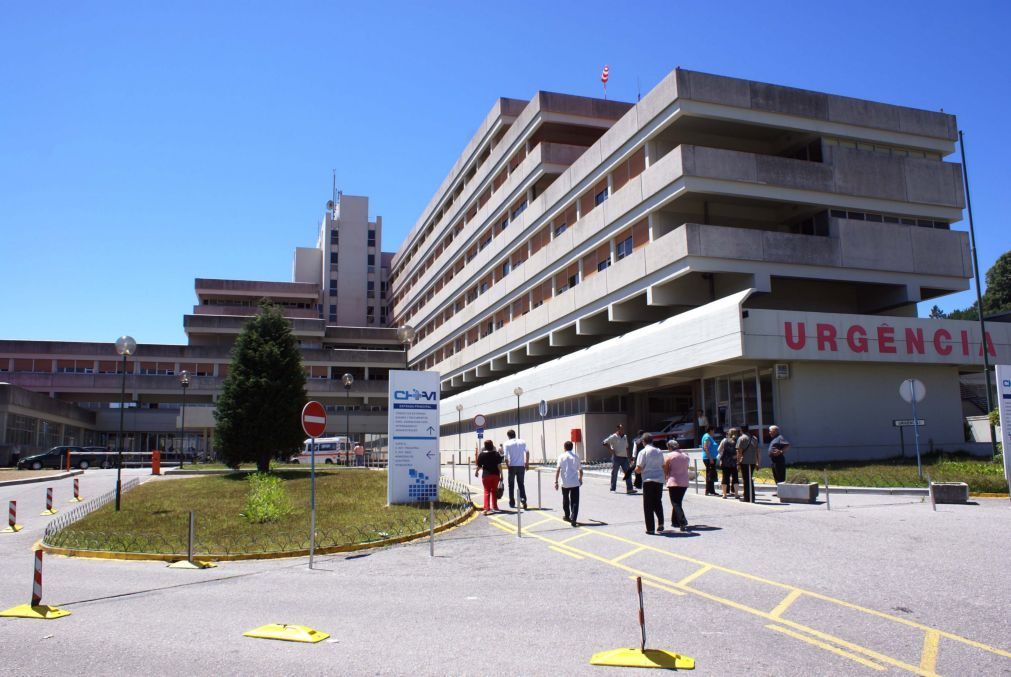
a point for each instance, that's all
(559, 229)
(372, 238)
(370, 286)
(506, 267)
(623, 249)
(485, 242)
(603, 264)
(372, 259)
(483, 288)
(505, 222)
(600, 197)
(333, 258)
(518, 210)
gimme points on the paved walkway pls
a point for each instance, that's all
(877, 584)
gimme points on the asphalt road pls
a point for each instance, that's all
(876, 585)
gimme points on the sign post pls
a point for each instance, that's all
(912, 390)
(1004, 407)
(314, 424)
(413, 432)
(542, 409)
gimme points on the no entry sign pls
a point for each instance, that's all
(313, 418)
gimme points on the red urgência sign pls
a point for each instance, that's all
(884, 339)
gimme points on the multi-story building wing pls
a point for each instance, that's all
(752, 250)
(336, 305)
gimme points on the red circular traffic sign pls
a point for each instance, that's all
(313, 418)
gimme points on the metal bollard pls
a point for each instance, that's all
(930, 490)
(696, 461)
(189, 539)
(828, 497)
(454, 468)
(431, 528)
(539, 506)
(519, 521)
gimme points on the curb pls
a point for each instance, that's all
(41, 478)
(353, 547)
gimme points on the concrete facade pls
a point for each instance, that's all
(611, 256)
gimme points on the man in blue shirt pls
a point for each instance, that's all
(709, 453)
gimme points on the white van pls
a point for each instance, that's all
(329, 450)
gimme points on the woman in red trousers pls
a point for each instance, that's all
(489, 462)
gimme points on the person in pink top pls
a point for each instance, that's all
(675, 471)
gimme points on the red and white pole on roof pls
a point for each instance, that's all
(603, 78)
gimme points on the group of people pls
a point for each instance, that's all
(655, 470)
(737, 456)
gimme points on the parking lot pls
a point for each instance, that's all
(878, 584)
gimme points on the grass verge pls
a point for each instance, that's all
(350, 508)
(981, 474)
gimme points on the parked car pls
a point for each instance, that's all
(680, 428)
(80, 457)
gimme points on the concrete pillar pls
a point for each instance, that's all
(650, 152)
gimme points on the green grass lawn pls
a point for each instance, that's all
(350, 508)
(982, 475)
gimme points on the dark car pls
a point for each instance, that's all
(80, 457)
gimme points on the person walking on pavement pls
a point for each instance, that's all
(727, 456)
(617, 444)
(777, 454)
(517, 458)
(709, 452)
(675, 470)
(649, 463)
(570, 471)
(489, 462)
(747, 459)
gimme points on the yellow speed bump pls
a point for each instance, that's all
(39, 611)
(287, 633)
(650, 658)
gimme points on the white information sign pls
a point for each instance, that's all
(1004, 407)
(413, 430)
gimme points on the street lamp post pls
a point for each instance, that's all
(459, 427)
(125, 346)
(348, 380)
(405, 333)
(517, 391)
(184, 381)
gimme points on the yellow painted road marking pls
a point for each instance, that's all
(662, 587)
(564, 552)
(659, 582)
(928, 660)
(581, 534)
(785, 604)
(633, 551)
(832, 600)
(827, 647)
(692, 576)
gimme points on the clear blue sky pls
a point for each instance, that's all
(145, 144)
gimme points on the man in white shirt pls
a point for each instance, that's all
(570, 471)
(617, 444)
(517, 458)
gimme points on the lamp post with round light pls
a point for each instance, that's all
(405, 333)
(125, 346)
(348, 380)
(184, 381)
(517, 391)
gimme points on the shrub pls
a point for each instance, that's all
(267, 501)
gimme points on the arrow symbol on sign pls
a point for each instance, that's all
(429, 454)
(431, 430)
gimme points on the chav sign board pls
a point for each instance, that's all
(413, 434)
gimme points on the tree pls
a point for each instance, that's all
(259, 411)
(936, 313)
(998, 286)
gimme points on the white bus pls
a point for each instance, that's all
(330, 450)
